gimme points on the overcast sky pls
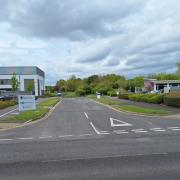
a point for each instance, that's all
(85, 37)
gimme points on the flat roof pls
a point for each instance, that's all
(162, 81)
(21, 70)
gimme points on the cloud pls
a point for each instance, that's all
(82, 37)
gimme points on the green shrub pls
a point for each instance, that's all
(172, 99)
(112, 93)
(149, 98)
(4, 104)
(123, 95)
(80, 92)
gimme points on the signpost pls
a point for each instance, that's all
(26, 102)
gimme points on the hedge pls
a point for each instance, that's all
(149, 98)
(5, 104)
(172, 99)
(112, 93)
(123, 95)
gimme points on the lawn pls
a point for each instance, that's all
(42, 110)
(141, 110)
(130, 108)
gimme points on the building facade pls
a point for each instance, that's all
(165, 85)
(25, 75)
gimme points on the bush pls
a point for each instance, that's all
(172, 99)
(4, 104)
(149, 98)
(123, 95)
(80, 92)
(112, 93)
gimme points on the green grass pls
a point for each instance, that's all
(33, 114)
(49, 102)
(130, 108)
(69, 94)
(141, 110)
(105, 100)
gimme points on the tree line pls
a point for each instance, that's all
(108, 84)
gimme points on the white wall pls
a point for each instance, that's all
(21, 80)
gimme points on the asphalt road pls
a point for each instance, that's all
(84, 140)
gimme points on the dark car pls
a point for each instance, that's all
(7, 97)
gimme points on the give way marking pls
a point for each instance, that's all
(118, 123)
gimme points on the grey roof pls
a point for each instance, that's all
(162, 81)
(21, 70)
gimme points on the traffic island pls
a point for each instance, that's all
(43, 108)
(133, 109)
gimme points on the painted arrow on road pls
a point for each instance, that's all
(116, 123)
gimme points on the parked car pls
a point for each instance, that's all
(7, 97)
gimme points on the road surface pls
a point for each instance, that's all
(84, 140)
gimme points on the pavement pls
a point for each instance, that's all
(84, 140)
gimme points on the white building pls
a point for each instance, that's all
(166, 85)
(25, 75)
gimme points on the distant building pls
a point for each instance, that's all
(25, 75)
(165, 85)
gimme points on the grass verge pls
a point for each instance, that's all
(41, 111)
(130, 108)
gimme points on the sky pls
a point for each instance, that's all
(82, 37)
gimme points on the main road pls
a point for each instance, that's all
(84, 140)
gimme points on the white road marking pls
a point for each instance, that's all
(85, 135)
(8, 112)
(121, 132)
(139, 131)
(86, 115)
(65, 136)
(45, 137)
(98, 132)
(26, 138)
(6, 139)
(173, 127)
(118, 123)
(158, 130)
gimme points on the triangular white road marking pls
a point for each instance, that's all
(116, 122)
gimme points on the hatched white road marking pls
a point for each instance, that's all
(117, 123)
(86, 115)
(8, 112)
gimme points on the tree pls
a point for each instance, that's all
(178, 68)
(15, 83)
(30, 87)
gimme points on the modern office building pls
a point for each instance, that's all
(25, 75)
(166, 85)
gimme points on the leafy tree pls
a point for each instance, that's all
(15, 83)
(30, 87)
(178, 68)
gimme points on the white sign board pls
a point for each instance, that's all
(26, 102)
(98, 96)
